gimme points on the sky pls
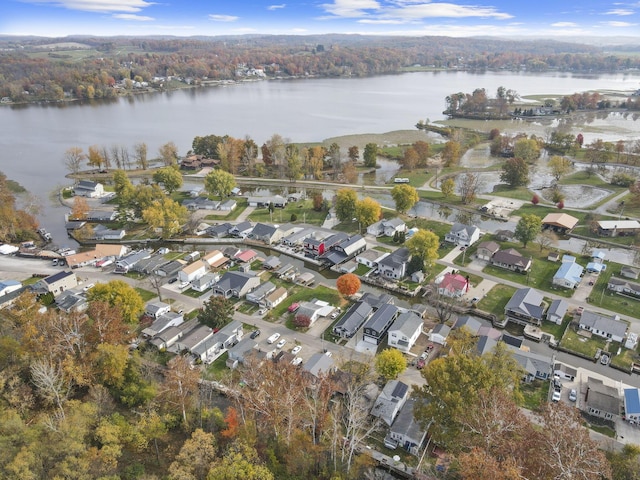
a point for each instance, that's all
(458, 18)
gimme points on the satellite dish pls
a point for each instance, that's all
(396, 458)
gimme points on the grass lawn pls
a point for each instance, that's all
(554, 329)
(303, 210)
(417, 178)
(582, 345)
(586, 231)
(362, 269)
(496, 299)
(520, 193)
(30, 281)
(145, 294)
(603, 430)
(235, 213)
(135, 275)
(173, 255)
(535, 394)
(383, 249)
(474, 279)
(625, 359)
(190, 292)
(217, 369)
(302, 294)
(605, 298)
(248, 308)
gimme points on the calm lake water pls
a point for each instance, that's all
(35, 137)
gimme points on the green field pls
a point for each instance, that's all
(605, 298)
(496, 299)
(303, 210)
(582, 345)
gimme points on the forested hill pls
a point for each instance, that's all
(36, 69)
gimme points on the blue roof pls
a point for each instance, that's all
(595, 267)
(632, 401)
(569, 271)
(9, 283)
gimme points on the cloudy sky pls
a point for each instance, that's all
(391, 17)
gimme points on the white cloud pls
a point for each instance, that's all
(103, 6)
(223, 18)
(618, 24)
(276, 7)
(620, 12)
(350, 8)
(131, 16)
(564, 24)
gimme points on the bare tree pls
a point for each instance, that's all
(106, 157)
(115, 155)
(73, 158)
(444, 305)
(180, 385)
(50, 382)
(125, 158)
(547, 239)
(468, 185)
(140, 155)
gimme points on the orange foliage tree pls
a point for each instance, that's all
(348, 284)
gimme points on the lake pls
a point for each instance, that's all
(35, 137)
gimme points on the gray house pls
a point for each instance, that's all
(602, 400)
(215, 346)
(353, 319)
(258, 295)
(525, 307)
(239, 352)
(394, 265)
(161, 323)
(235, 284)
(605, 326)
(406, 431)
(390, 401)
(463, 235)
(265, 233)
(534, 365)
(376, 327)
(318, 364)
(557, 310)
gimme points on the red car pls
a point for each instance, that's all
(293, 307)
(420, 364)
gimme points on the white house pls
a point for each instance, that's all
(605, 326)
(453, 285)
(568, 275)
(205, 282)
(463, 235)
(258, 295)
(439, 334)
(8, 286)
(164, 321)
(214, 259)
(370, 258)
(192, 272)
(87, 188)
(394, 265)
(390, 401)
(387, 227)
(275, 298)
(404, 331)
(155, 309)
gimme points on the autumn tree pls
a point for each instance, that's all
(95, 157)
(447, 187)
(168, 154)
(219, 182)
(318, 201)
(410, 159)
(195, 458)
(423, 149)
(515, 172)
(368, 211)
(120, 294)
(468, 186)
(354, 154)
(348, 284)
(73, 158)
(140, 155)
(239, 462)
(390, 363)
(294, 163)
(528, 149)
(451, 153)
(80, 209)
(528, 228)
(405, 197)
(169, 177)
(535, 199)
(560, 166)
(216, 312)
(350, 172)
(424, 244)
(165, 215)
(345, 204)
(180, 386)
(370, 155)
(302, 321)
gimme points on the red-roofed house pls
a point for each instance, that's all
(246, 256)
(453, 285)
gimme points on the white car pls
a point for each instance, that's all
(296, 350)
(281, 343)
(273, 338)
(556, 396)
(573, 395)
(296, 361)
(88, 287)
(328, 353)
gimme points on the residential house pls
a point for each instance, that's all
(192, 272)
(406, 431)
(148, 265)
(512, 260)
(200, 203)
(214, 259)
(241, 230)
(404, 331)
(321, 242)
(353, 319)
(259, 293)
(298, 237)
(525, 306)
(287, 229)
(439, 334)
(101, 216)
(377, 301)
(486, 250)
(219, 342)
(349, 266)
(87, 188)
(239, 352)
(504, 235)
(463, 235)
(394, 265)
(319, 364)
(275, 298)
(557, 310)
(235, 284)
(100, 252)
(387, 228)
(156, 308)
(271, 263)
(278, 201)
(8, 286)
(191, 340)
(228, 206)
(69, 301)
(205, 282)
(219, 231)
(162, 322)
(171, 335)
(345, 250)
(453, 285)
(473, 325)
(624, 287)
(246, 256)
(618, 228)
(598, 256)
(564, 371)
(169, 269)
(231, 252)
(265, 233)
(305, 278)
(602, 400)
(390, 401)
(632, 405)
(376, 327)
(535, 366)
(568, 275)
(485, 345)
(314, 309)
(124, 264)
(100, 232)
(56, 283)
(559, 222)
(371, 258)
(605, 326)
(630, 272)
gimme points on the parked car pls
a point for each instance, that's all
(293, 307)
(556, 396)
(296, 361)
(420, 364)
(273, 338)
(262, 311)
(296, 350)
(335, 314)
(255, 333)
(573, 395)
(424, 356)
(281, 343)
(88, 287)
(173, 280)
(605, 359)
